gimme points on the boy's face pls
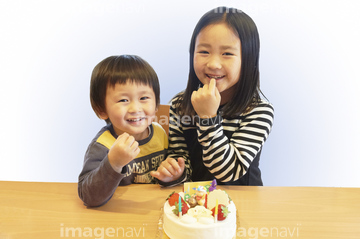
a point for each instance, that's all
(131, 108)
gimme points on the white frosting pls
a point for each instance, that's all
(192, 227)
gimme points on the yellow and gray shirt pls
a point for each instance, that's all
(98, 181)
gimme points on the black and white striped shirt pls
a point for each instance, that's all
(226, 149)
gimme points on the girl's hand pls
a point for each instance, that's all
(169, 170)
(206, 100)
(125, 149)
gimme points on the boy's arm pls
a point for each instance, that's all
(98, 180)
(171, 172)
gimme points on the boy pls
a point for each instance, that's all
(125, 92)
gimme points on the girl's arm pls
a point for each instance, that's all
(229, 159)
(177, 145)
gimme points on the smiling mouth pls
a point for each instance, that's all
(136, 120)
(215, 77)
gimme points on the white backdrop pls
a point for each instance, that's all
(309, 58)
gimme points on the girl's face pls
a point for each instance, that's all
(131, 108)
(218, 55)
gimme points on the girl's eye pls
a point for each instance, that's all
(228, 54)
(144, 98)
(123, 100)
(203, 52)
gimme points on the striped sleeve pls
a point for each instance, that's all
(228, 159)
(177, 145)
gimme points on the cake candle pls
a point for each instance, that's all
(216, 210)
(180, 206)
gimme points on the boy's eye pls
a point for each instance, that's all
(228, 54)
(123, 100)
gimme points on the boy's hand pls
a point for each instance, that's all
(206, 100)
(169, 170)
(123, 151)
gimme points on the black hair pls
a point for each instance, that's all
(248, 87)
(120, 69)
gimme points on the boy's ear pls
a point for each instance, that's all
(103, 115)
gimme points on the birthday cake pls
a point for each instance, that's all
(200, 212)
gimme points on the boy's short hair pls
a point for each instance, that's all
(120, 69)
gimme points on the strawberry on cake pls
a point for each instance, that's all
(198, 213)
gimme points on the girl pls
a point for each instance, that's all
(219, 124)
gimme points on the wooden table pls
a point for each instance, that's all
(53, 210)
